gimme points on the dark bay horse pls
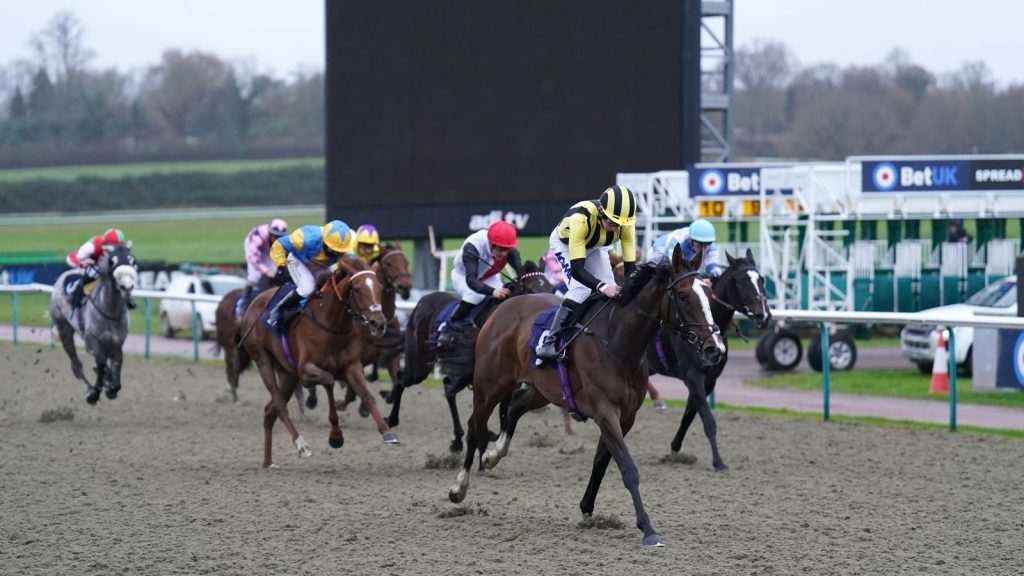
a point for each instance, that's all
(325, 343)
(420, 357)
(739, 289)
(606, 367)
(102, 321)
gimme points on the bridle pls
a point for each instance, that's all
(685, 329)
(521, 280)
(346, 286)
(108, 277)
(390, 281)
(742, 308)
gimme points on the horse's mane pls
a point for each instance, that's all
(350, 259)
(645, 272)
(530, 267)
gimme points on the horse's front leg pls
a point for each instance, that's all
(688, 413)
(708, 418)
(313, 373)
(613, 437)
(356, 381)
(521, 403)
(101, 375)
(115, 361)
(280, 408)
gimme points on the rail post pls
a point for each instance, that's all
(825, 372)
(952, 380)
(195, 333)
(147, 322)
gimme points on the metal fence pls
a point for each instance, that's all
(824, 319)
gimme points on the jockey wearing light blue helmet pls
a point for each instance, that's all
(697, 238)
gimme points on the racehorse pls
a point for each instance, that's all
(393, 271)
(227, 325)
(323, 344)
(606, 372)
(102, 321)
(420, 355)
(740, 288)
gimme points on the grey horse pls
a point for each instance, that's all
(103, 321)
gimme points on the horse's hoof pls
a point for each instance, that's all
(372, 377)
(660, 406)
(92, 397)
(653, 541)
(363, 411)
(676, 447)
(721, 468)
(336, 441)
(391, 438)
(489, 460)
(310, 402)
(456, 494)
(386, 395)
(456, 445)
(304, 449)
(112, 392)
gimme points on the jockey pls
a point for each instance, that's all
(85, 258)
(307, 249)
(476, 271)
(696, 239)
(257, 256)
(581, 242)
(367, 243)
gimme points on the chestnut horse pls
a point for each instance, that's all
(324, 343)
(606, 367)
(393, 271)
(420, 355)
(740, 288)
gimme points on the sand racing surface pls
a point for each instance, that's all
(167, 479)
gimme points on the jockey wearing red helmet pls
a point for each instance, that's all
(86, 257)
(494, 248)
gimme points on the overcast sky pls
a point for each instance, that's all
(287, 35)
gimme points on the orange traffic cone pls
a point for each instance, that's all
(940, 369)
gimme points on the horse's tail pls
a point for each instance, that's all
(457, 359)
(242, 355)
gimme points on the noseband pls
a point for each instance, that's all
(742, 308)
(684, 328)
(359, 313)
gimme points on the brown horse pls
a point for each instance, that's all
(420, 356)
(393, 271)
(325, 344)
(739, 289)
(607, 369)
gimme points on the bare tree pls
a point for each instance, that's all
(60, 48)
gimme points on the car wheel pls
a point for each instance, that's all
(785, 351)
(842, 353)
(925, 367)
(761, 350)
(166, 330)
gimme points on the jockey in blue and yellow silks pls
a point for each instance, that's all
(304, 250)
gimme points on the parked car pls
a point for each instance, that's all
(176, 315)
(918, 341)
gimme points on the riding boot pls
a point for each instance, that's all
(444, 337)
(548, 349)
(77, 295)
(243, 301)
(292, 298)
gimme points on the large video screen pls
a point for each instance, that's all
(455, 102)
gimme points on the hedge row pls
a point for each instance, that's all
(294, 185)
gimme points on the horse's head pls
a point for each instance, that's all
(532, 281)
(393, 270)
(742, 287)
(689, 309)
(357, 286)
(118, 265)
